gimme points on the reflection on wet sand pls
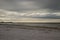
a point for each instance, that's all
(22, 31)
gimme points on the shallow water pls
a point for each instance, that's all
(28, 34)
(44, 24)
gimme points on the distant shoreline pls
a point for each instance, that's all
(30, 25)
(34, 22)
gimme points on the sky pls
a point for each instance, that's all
(49, 9)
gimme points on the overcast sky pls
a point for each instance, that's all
(14, 8)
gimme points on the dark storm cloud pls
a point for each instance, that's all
(18, 5)
(31, 5)
(23, 5)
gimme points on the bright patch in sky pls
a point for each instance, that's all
(5, 13)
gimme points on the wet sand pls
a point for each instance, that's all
(7, 33)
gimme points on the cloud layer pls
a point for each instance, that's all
(30, 8)
(28, 5)
(31, 14)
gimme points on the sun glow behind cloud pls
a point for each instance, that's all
(27, 4)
